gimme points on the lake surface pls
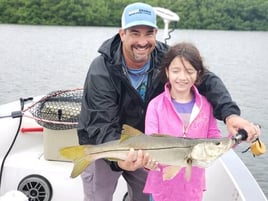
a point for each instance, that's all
(35, 60)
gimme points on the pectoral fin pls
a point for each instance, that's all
(170, 172)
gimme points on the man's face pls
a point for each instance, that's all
(138, 43)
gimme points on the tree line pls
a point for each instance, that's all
(194, 14)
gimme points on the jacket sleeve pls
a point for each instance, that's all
(213, 129)
(215, 91)
(98, 120)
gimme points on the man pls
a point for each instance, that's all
(119, 84)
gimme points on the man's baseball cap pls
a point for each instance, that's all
(138, 14)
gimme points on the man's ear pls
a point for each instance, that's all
(122, 33)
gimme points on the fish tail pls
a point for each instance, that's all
(79, 166)
(73, 152)
(78, 155)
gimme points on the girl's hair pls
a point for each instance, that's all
(187, 51)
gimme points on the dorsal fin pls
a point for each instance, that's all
(128, 131)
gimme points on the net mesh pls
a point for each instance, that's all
(59, 110)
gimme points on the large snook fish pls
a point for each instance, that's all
(167, 150)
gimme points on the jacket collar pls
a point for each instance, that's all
(198, 98)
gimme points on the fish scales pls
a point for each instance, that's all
(166, 149)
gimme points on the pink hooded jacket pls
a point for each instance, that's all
(162, 117)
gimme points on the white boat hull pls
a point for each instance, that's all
(227, 178)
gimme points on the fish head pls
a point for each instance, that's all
(206, 151)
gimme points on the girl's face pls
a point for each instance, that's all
(181, 75)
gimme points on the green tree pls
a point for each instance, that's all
(194, 14)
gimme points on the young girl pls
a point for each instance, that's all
(180, 111)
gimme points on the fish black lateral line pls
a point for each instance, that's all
(171, 151)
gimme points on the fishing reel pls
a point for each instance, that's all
(257, 147)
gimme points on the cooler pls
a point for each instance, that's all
(57, 139)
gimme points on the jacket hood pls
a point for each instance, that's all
(111, 49)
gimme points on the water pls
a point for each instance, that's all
(35, 60)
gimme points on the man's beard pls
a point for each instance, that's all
(141, 57)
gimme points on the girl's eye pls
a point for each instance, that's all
(190, 71)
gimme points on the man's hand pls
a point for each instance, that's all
(235, 122)
(152, 165)
(135, 160)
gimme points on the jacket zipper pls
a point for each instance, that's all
(185, 130)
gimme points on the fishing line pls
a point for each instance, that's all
(169, 33)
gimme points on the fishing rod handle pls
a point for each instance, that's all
(242, 135)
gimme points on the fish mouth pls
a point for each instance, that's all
(226, 144)
(230, 144)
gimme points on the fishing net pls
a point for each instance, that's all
(59, 110)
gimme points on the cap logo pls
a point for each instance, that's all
(139, 11)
